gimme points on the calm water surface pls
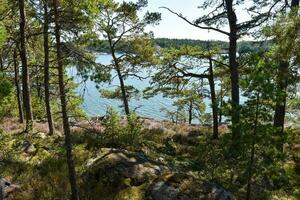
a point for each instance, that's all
(95, 105)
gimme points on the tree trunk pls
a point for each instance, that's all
(234, 73)
(221, 103)
(295, 4)
(213, 100)
(251, 163)
(25, 71)
(1, 64)
(122, 84)
(66, 125)
(46, 69)
(190, 112)
(282, 84)
(18, 88)
(123, 89)
(39, 88)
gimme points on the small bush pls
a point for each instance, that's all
(154, 134)
(121, 134)
(6, 96)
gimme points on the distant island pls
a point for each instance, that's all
(243, 46)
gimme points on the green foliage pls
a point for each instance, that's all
(244, 47)
(179, 69)
(74, 103)
(131, 92)
(119, 133)
(3, 11)
(213, 165)
(259, 155)
(181, 75)
(187, 102)
(178, 43)
(2, 35)
(293, 110)
(124, 33)
(142, 51)
(5, 86)
(38, 107)
(285, 33)
(6, 96)
(175, 115)
(45, 164)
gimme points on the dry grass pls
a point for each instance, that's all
(167, 128)
(13, 126)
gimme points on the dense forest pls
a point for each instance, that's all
(232, 131)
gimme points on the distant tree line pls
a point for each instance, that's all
(243, 46)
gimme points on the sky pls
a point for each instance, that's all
(173, 27)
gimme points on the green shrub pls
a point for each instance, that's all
(6, 96)
(119, 133)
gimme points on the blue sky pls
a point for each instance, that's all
(173, 27)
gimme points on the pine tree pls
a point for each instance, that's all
(119, 23)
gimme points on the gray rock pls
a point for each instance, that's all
(29, 148)
(41, 135)
(219, 193)
(7, 188)
(2, 186)
(113, 166)
(185, 187)
(162, 191)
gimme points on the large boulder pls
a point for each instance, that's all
(114, 170)
(176, 186)
(124, 175)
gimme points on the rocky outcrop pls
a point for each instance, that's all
(125, 164)
(116, 169)
(175, 186)
(121, 175)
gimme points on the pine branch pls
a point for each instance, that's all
(194, 24)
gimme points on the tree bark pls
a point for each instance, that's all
(25, 71)
(221, 103)
(282, 84)
(295, 4)
(122, 85)
(18, 88)
(234, 73)
(123, 89)
(213, 100)
(1, 64)
(190, 112)
(121, 80)
(251, 163)
(66, 125)
(39, 88)
(46, 69)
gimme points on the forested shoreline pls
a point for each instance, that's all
(245, 146)
(102, 46)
